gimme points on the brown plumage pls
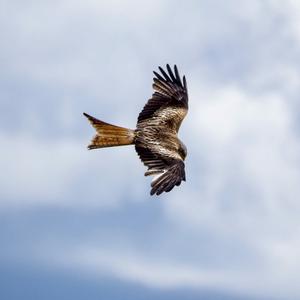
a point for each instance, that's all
(155, 137)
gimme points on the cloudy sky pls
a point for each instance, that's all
(78, 224)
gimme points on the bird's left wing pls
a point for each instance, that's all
(169, 103)
(167, 165)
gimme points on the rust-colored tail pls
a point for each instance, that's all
(109, 135)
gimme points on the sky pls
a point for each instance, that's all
(79, 224)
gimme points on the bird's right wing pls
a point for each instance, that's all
(167, 165)
(165, 182)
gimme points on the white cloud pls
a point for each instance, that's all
(290, 9)
(243, 141)
(243, 166)
(130, 265)
(37, 171)
(247, 187)
(265, 279)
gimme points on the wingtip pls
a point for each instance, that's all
(152, 193)
(169, 68)
(157, 76)
(175, 69)
(160, 68)
(184, 82)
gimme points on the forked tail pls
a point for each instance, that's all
(109, 135)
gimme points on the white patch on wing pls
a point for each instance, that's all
(157, 176)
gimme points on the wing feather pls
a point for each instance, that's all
(168, 92)
(171, 177)
(167, 78)
(170, 170)
(171, 73)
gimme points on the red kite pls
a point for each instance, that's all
(155, 137)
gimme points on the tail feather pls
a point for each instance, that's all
(109, 135)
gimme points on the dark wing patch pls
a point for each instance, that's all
(172, 176)
(155, 164)
(170, 171)
(169, 91)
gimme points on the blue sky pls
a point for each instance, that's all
(80, 224)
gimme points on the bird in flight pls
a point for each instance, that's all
(155, 137)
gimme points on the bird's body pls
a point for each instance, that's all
(155, 137)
